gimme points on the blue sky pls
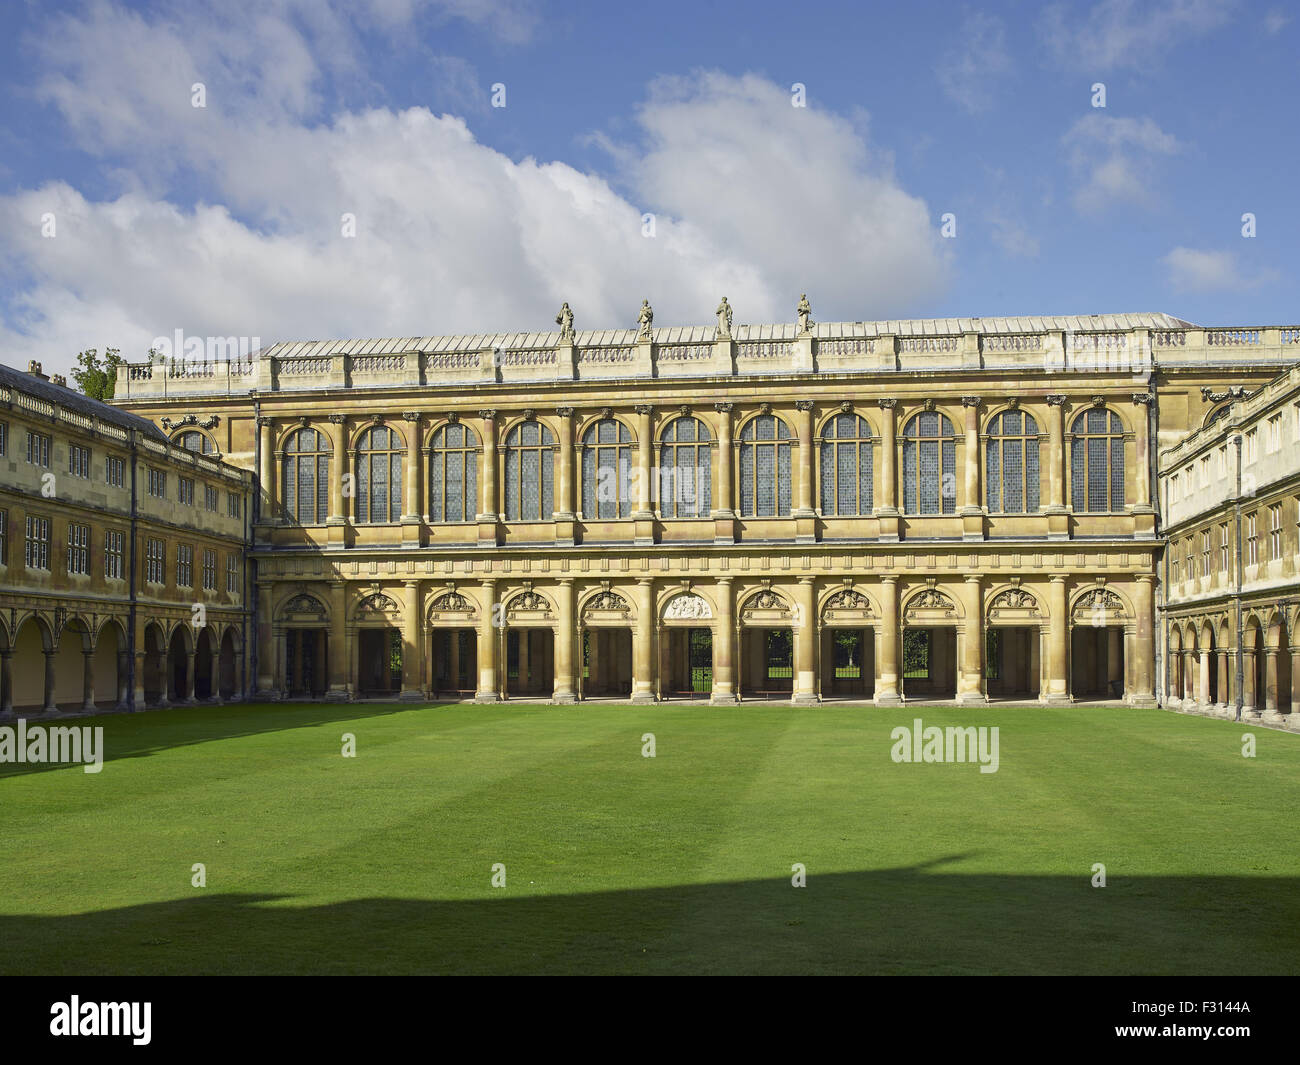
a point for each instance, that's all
(230, 219)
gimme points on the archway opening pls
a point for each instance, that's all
(607, 662)
(70, 666)
(379, 662)
(28, 668)
(687, 668)
(1097, 663)
(154, 680)
(179, 665)
(767, 662)
(930, 662)
(204, 681)
(1012, 664)
(848, 663)
(228, 679)
(530, 662)
(454, 662)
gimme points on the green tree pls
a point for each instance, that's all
(97, 377)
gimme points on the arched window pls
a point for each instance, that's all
(530, 464)
(306, 478)
(765, 468)
(929, 465)
(1011, 463)
(685, 470)
(846, 466)
(193, 440)
(1097, 461)
(453, 474)
(606, 465)
(379, 476)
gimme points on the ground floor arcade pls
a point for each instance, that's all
(811, 639)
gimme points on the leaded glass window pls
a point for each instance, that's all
(306, 477)
(530, 464)
(193, 440)
(1011, 463)
(453, 474)
(1097, 461)
(929, 465)
(380, 453)
(765, 468)
(846, 466)
(606, 470)
(685, 470)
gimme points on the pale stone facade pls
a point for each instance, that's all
(489, 516)
(122, 558)
(1230, 496)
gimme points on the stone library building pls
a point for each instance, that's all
(960, 509)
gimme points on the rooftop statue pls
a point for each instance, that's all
(565, 321)
(646, 319)
(804, 311)
(724, 319)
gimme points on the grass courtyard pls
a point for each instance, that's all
(618, 863)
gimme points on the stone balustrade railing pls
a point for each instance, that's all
(1135, 350)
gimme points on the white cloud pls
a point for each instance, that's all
(1196, 269)
(452, 235)
(1011, 236)
(1127, 33)
(967, 71)
(1275, 21)
(1115, 160)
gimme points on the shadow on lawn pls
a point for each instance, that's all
(139, 735)
(906, 920)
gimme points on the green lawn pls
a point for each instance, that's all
(681, 863)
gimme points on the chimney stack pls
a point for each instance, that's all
(34, 368)
(59, 379)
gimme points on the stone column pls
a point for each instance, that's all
(1203, 680)
(266, 471)
(487, 646)
(564, 473)
(338, 656)
(643, 640)
(123, 680)
(1270, 684)
(1295, 685)
(411, 650)
(265, 686)
(1249, 698)
(50, 706)
(214, 671)
(804, 436)
(6, 684)
(191, 672)
(488, 511)
(1142, 452)
(724, 503)
(564, 630)
(887, 693)
(888, 459)
(1143, 641)
(1222, 696)
(724, 634)
(1058, 688)
(971, 414)
(88, 681)
(338, 468)
(805, 643)
(970, 674)
(411, 520)
(139, 700)
(1055, 453)
(644, 455)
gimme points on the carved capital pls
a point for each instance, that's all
(1057, 400)
(263, 422)
(803, 404)
(487, 415)
(643, 408)
(1142, 398)
(411, 415)
(887, 404)
(564, 412)
(338, 419)
(971, 401)
(724, 408)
